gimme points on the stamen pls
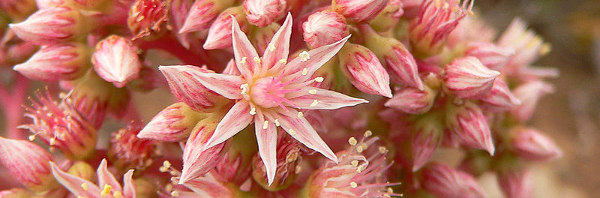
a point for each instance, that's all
(32, 137)
(253, 111)
(243, 60)
(257, 60)
(382, 150)
(175, 193)
(117, 194)
(244, 88)
(266, 124)
(314, 103)
(277, 122)
(304, 56)
(319, 79)
(292, 132)
(304, 71)
(106, 190)
(165, 167)
(84, 186)
(312, 91)
(360, 149)
(298, 169)
(52, 141)
(352, 141)
(354, 163)
(368, 133)
(271, 47)
(283, 60)
(353, 184)
(300, 114)
(360, 168)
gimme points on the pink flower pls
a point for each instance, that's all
(66, 61)
(490, 55)
(532, 144)
(108, 186)
(264, 12)
(209, 186)
(324, 28)
(219, 33)
(270, 92)
(470, 125)
(427, 136)
(444, 181)
(28, 163)
(289, 157)
(529, 93)
(364, 70)
(359, 10)
(516, 183)
(468, 78)
(116, 60)
(51, 26)
(202, 13)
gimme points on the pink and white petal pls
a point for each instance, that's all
(226, 85)
(234, 121)
(128, 185)
(106, 177)
(325, 99)
(279, 47)
(198, 160)
(208, 187)
(299, 128)
(188, 89)
(311, 62)
(266, 137)
(74, 184)
(244, 52)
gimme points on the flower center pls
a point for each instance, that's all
(270, 92)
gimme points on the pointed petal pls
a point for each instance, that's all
(208, 187)
(266, 137)
(243, 48)
(234, 121)
(74, 184)
(279, 47)
(226, 85)
(299, 128)
(197, 160)
(325, 99)
(106, 177)
(313, 61)
(129, 185)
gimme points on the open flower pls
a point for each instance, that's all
(271, 92)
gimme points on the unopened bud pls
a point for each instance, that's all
(116, 60)
(388, 17)
(532, 144)
(444, 181)
(197, 159)
(288, 158)
(412, 100)
(468, 78)
(28, 164)
(184, 86)
(219, 33)
(202, 13)
(359, 11)
(490, 55)
(66, 61)
(324, 28)
(516, 183)
(428, 134)
(500, 98)
(470, 125)
(364, 70)
(148, 18)
(264, 12)
(52, 25)
(172, 124)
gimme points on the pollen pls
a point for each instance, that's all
(257, 60)
(252, 111)
(277, 122)
(243, 60)
(165, 167)
(244, 88)
(300, 114)
(353, 184)
(304, 71)
(31, 137)
(352, 141)
(360, 168)
(292, 132)
(312, 91)
(319, 79)
(266, 124)
(283, 60)
(314, 103)
(117, 194)
(304, 56)
(106, 190)
(354, 163)
(271, 47)
(84, 186)
(52, 141)
(175, 193)
(368, 133)
(382, 150)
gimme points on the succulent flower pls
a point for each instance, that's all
(264, 12)
(52, 25)
(28, 164)
(116, 60)
(324, 28)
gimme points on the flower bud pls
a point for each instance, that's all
(52, 25)
(172, 124)
(61, 126)
(66, 61)
(324, 28)
(468, 78)
(359, 11)
(434, 22)
(529, 94)
(208, 186)
(198, 160)
(219, 33)
(264, 12)
(148, 18)
(127, 151)
(470, 125)
(288, 159)
(189, 91)
(427, 136)
(178, 12)
(516, 183)
(364, 70)
(499, 99)
(398, 60)
(43, 4)
(28, 163)
(388, 17)
(490, 55)
(18, 9)
(412, 100)
(202, 13)
(116, 60)
(443, 181)
(532, 144)
(82, 170)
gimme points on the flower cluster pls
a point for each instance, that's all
(266, 93)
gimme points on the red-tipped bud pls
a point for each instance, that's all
(412, 100)
(264, 12)
(56, 62)
(202, 13)
(52, 25)
(197, 159)
(61, 126)
(529, 94)
(18, 9)
(388, 17)
(444, 181)
(288, 161)
(324, 28)
(219, 33)
(364, 70)
(490, 55)
(184, 86)
(28, 163)
(532, 144)
(398, 60)
(434, 22)
(468, 78)
(428, 134)
(127, 151)
(148, 18)
(500, 98)
(470, 125)
(516, 183)
(359, 10)
(172, 124)
(116, 60)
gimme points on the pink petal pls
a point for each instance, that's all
(197, 161)
(326, 99)
(208, 187)
(189, 89)
(299, 128)
(316, 59)
(267, 145)
(234, 121)
(226, 85)
(129, 185)
(243, 48)
(279, 47)
(106, 177)
(73, 183)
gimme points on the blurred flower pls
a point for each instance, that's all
(468, 78)
(443, 181)
(359, 10)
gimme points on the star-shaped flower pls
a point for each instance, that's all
(272, 92)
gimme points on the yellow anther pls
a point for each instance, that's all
(31, 137)
(353, 184)
(167, 164)
(106, 190)
(382, 150)
(84, 186)
(252, 111)
(352, 141)
(52, 141)
(390, 190)
(271, 47)
(368, 133)
(304, 71)
(117, 194)
(360, 168)
(244, 88)
(257, 60)
(79, 197)
(544, 49)
(319, 79)
(175, 193)
(298, 169)
(300, 114)
(312, 91)
(243, 60)
(277, 122)
(292, 132)
(304, 56)
(314, 103)
(283, 60)
(354, 163)
(266, 124)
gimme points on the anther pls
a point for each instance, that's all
(265, 124)
(382, 150)
(354, 163)
(277, 122)
(31, 137)
(314, 103)
(304, 56)
(319, 79)
(84, 186)
(353, 184)
(252, 111)
(106, 190)
(243, 60)
(300, 114)
(304, 71)
(283, 60)
(257, 60)
(352, 141)
(312, 91)
(244, 88)
(292, 132)
(117, 194)
(175, 193)
(271, 47)
(368, 133)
